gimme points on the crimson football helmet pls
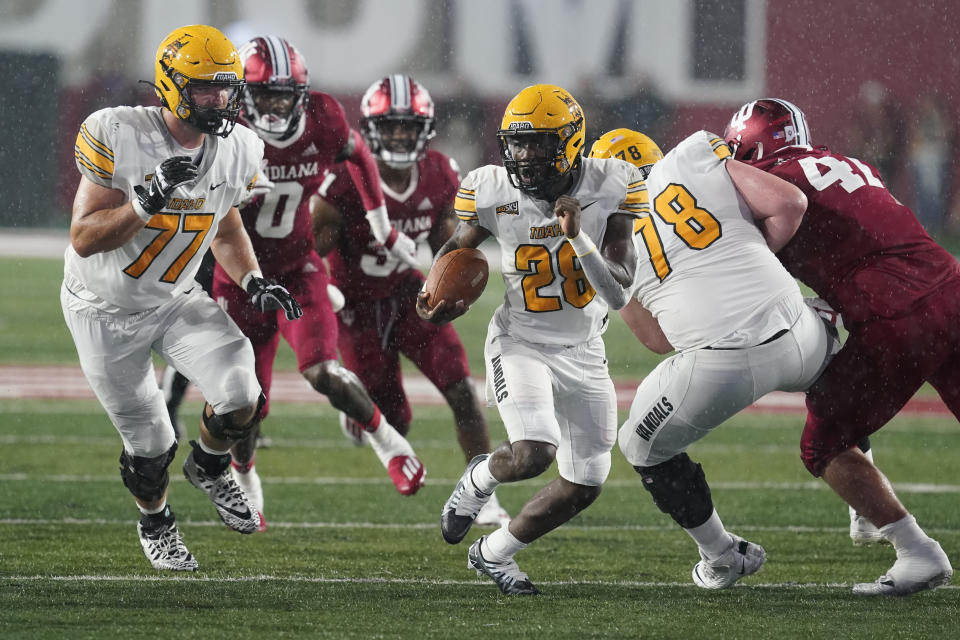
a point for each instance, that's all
(765, 126)
(397, 120)
(277, 86)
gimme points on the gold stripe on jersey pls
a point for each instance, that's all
(720, 148)
(104, 149)
(89, 165)
(465, 204)
(92, 153)
(637, 200)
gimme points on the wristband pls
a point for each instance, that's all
(391, 238)
(582, 244)
(138, 209)
(250, 276)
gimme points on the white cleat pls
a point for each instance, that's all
(253, 489)
(919, 569)
(164, 548)
(492, 514)
(862, 531)
(226, 495)
(740, 560)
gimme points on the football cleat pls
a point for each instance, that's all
(464, 504)
(492, 514)
(741, 559)
(353, 430)
(862, 531)
(227, 497)
(919, 569)
(407, 473)
(507, 575)
(164, 548)
(249, 481)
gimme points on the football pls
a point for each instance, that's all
(460, 274)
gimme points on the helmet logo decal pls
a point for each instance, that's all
(739, 121)
(514, 126)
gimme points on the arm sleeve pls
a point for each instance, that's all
(595, 267)
(363, 170)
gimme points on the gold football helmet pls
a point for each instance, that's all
(629, 145)
(541, 138)
(199, 77)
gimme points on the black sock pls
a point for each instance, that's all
(212, 464)
(153, 521)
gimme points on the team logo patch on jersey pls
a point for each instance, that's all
(510, 209)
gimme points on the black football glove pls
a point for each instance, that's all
(167, 176)
(267, 296)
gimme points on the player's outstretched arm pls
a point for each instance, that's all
(777, 205)
(232, 247)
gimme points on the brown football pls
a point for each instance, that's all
(460, 274)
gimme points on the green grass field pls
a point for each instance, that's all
(346, 557)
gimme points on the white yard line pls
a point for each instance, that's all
(810, 485)
(408, 581)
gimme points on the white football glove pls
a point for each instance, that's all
(403, 248)
(261, 187)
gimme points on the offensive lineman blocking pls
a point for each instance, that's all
(708, 280)
(159, 185)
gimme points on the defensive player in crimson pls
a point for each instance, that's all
(379, 321)
(305, 133)
(898, 293)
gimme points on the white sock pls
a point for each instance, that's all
(711, 537)
(150, 512)
(904, 534)
(482, 478)
(500, 546)
(206, 449)
(387, 443)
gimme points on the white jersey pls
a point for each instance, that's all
(548, 299)
(705, 271)
(119, 148)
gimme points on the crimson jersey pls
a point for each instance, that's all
(857, 246)
(279, 223)
(359, 265)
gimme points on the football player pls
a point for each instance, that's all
(709, 287)
(564, 224)
(158, 186)
(379, 321)
(305, 132)
(898, 293)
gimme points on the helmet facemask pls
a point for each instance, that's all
(398, 141)
(274, 110)
(212, 106)
(535, 160)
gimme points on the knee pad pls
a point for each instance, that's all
(146, 478)
(226, 428)
(679, 489)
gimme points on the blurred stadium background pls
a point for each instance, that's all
(877, 80)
